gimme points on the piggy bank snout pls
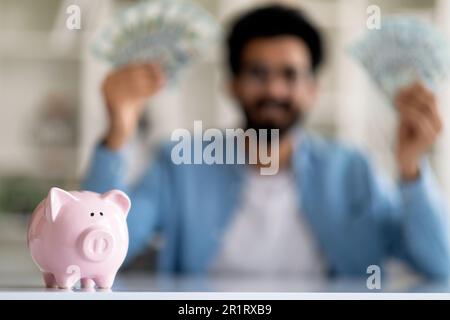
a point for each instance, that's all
(97, 244)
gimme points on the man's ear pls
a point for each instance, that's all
(55, 200)
(119, 198)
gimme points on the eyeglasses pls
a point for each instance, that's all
(260, 75)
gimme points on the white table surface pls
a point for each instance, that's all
(144, 286)
(20, 279)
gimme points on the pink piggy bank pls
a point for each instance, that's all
(79, 235)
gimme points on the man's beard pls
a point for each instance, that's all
(294, 116)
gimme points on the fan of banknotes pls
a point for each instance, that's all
(171, 33)
(402, 51)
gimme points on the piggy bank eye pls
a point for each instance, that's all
(92, 214)
(101, 213)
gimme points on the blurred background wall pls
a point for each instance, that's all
(51, 112)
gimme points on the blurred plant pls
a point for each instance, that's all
(56, 121)
(23, 194)
(53, 135)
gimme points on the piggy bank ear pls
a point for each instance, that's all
(55, 200)
(119, 198)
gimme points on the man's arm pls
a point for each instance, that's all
(411, 217)
(421, 233)
(125, 91)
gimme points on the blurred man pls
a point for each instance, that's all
(325, 213)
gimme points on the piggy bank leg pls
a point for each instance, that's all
(49, 280)
(87, 283)
(105, 282)
(65, 281)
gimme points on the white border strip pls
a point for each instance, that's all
(218, 296)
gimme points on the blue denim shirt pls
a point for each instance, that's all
(356, 217)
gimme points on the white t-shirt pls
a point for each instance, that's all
(268, 235)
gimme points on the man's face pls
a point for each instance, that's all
(275, 86)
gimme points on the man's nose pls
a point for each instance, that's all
(276, 87)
